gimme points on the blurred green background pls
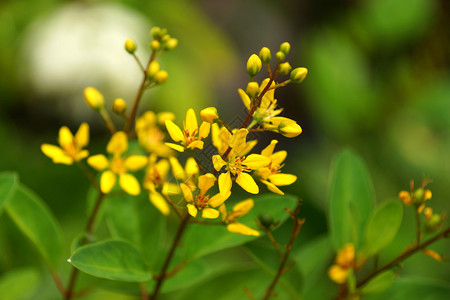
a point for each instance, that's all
(378, 82)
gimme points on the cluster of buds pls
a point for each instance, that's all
(160, 139)
(417, 197)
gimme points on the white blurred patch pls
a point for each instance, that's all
(82, 45)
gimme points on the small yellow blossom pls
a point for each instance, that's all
(188, 174)
(94, 98)
(118, 166)
(271, 175)
(119, 106)
(149, 134)
(240, 209)
(238, 165)
(155, 181)
(433, 254)
(221, 138)
(345, 260)
(202, 202)
(406, 198)
(71, 146)
(191, 136)
(209, 114)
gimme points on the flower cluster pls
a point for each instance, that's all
(145, 156)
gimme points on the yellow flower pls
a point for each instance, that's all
(191, 137)
(345, 260)
(118, 166)
(406, 198)
(221, 138)
(271, 175)
(240, 209)
(155, 181)
(150, 136)
(71, 146)
(202, 201)
(209, 114)
(188, 174)
(238, 165)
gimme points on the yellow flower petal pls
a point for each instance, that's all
(170, 189)
(338, 274)
(98, 162)
(65, 138)
(177, 147)
(273, 188)
(223, 212)
(162, 167)
(160, 203)
(163, 116)
(225, 183)
(196, 144)
(281, 179)
(191, 121)
(218, 199)
(237, 227)
(278, 157)
(238, 139)
(174, 131)
(136, 162)
(245, 98)
(205, 182)
(218, 162)
(191, 167)
(82, 135)
(177, 169)
(187, 193)
(256, 161)
(204, 130)
(107, 181)
(243, 207)
(81, 155)
(57, 154)
(268, 151)
(247, 182)
(118, 143)
(210, 213)
(192, 210)
(129, 184)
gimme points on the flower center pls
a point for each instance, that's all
(236, 166)
(190, 137)
(118, 165)
(201, 201)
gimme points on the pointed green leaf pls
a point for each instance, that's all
(18, 284)
(379, 284)
(351, 199)
(200, 240)
(8, 182)
(383, 226)
(37, 222)
(115, 260)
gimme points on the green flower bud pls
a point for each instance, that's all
(298, 74)
(253, 65)
(266, 221)
(155, 32)
(165, 38)
(155, 45)
(171, 44)
(161, 76)
(153, 68)
(434, 222)
(265, 55)
(280, 56)
(285, 48)
(130, 46)
(418, 195)
(285, 68)
(252, 89)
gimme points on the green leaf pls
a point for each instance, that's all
(115, 260)
(383, 226)
(37, 222)
(136, 220)
(379, 284)
(8, 182)
(200, 240)
(414, 288)
(18, 284)
(351, 199)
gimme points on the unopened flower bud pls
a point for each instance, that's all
(280, 56)
(153, 68)
(161, 76)
(209, 114)
(298, 74)
(253, 65)
(130, 46)
(252, 89)
(119, 106)
(155, 45)
(94, 98)
(434, 222)
(171, 44)
(266, 221)
(285, 48)
(419, 195)
(265, 55)
(285, 68)
(405, 197)
(155, 32)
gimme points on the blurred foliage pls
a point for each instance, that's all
(379, 82)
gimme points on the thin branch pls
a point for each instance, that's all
(174, 207)
(275, 243)
(143, 289)
(418, 227)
